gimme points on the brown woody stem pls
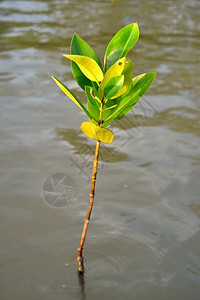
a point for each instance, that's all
(87, 219)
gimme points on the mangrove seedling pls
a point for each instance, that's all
(111, 92)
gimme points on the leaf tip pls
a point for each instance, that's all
(65, 55)
(74, 36)
(154, 74)
(53, 78)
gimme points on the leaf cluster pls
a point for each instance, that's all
(110, 89)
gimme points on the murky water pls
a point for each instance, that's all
(144, 237)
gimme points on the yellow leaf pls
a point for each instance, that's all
(67, 92)
(88, 66)
(98, 133)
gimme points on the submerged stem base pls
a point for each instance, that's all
(80, 264)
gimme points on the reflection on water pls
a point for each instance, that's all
(181, 119)
(143, 240)
(82, 285)
(195, 208)
(81, 146)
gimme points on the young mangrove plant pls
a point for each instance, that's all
(111, 93)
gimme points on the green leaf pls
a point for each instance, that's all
(96, 132)
(113, 86)
(141, 83)
(92, 104)
(80, 47)
(71, 96)
(114, 71)
(95, 94)
(121, 43)
(107, 123)
(123, 66)
(108, 109)
(88, 67)
(138, 88)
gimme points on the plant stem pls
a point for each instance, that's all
(87, 219)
